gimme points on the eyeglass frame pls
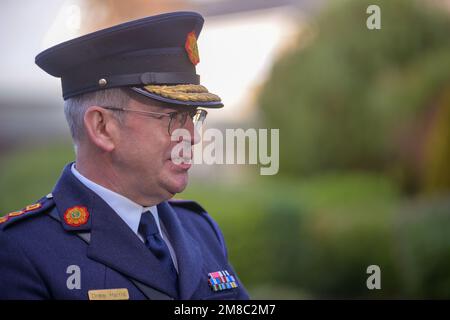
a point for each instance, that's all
(172, 115)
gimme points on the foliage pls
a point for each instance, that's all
(316, 238)
(30, 173)
(356, 98)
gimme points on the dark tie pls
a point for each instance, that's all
(148, 229)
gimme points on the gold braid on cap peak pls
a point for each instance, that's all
(184, 92)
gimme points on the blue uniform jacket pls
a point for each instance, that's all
(38, 250)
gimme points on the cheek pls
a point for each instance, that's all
(146, 144)
(152, 146)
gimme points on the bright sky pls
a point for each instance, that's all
(237, 52)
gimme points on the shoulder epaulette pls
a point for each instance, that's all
(31, 210)
(187, 204)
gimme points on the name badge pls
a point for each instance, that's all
(109, 294)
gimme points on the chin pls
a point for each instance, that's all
(177, 183)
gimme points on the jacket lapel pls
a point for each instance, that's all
(189, 257)
(112, 242)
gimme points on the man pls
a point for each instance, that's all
(109, 230)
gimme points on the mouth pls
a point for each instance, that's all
(183, 163)
(182, 158)
(181, 166)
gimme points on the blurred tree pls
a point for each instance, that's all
(354, 97)
(436, 170)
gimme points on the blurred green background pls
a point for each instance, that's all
(364, 119)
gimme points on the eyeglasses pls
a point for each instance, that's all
(177, 118)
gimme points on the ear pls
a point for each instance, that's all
(101, 128)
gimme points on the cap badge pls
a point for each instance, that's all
(191, 48)
(76, 216)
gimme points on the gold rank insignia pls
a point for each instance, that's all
(16, 213)
(27, 209)
(32, 207)
(191, 48)
(76, 216)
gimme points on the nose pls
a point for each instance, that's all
(193, 132)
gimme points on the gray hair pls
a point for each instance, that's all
(75, 108)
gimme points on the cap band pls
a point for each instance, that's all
(135, 79)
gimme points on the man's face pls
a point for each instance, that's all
(143, 152)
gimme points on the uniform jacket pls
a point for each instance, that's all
(39, 250)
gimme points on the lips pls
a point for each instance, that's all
(184, 166)
(179, 160)
(181, 163)
(181, 155)
(184, 154)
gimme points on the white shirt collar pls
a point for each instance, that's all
(128, 210)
